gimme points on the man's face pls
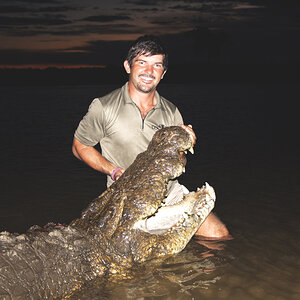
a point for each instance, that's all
(145, 72)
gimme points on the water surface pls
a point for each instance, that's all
(247, 148)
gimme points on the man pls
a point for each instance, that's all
(124, 121)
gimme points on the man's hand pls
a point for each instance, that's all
(190, 131)
(117, 173)
(94, 159)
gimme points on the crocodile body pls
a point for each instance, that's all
(54, 261)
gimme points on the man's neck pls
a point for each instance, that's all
(145, 101)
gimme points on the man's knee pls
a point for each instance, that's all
(212, 227)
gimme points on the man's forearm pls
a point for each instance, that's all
(92, 157)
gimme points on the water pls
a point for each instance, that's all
(247, 148)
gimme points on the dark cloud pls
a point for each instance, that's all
(161, 22)
(25, 21)
(184, 7)
(216, 2)
(14, 9)
(78, 30)
(143, 10)
(122, 28)
(280, 4)
(226, 7)
(35, 1)
(105, 18)
(143, 2)
(194, 2)
(25, 9)
(57, 9)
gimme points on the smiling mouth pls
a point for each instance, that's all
(147, 78)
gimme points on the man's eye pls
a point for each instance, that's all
(158, 65)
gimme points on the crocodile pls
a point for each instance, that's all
(114, 233)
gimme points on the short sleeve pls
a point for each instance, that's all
(178, 120)
(91, 128)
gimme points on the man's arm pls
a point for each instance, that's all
(94, 159)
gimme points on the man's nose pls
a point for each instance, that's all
(149, 69)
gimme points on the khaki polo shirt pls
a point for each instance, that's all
(116, 123)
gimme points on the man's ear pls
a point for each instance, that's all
(127, 66)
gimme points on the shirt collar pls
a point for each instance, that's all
(128, 99)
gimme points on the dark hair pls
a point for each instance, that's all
(147, 45)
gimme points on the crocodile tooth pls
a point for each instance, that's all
(191, 149)
(185, 152)
(183, 170)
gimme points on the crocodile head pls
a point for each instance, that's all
(133, 214)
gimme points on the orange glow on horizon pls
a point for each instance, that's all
(46, 66)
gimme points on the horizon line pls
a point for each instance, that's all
(51, 66)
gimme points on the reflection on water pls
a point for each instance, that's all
(242, 270)
(188, 275)
(245, 149)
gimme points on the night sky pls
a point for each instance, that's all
(76, 33)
